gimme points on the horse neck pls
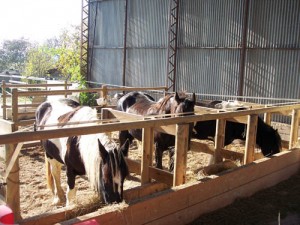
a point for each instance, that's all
(89, 152)
(164, 105)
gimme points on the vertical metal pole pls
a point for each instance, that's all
(172, 45)
(125, 44)
(243, 50)
(84, 39)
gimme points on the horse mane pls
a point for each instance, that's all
(67, 116)
(87, 144)
(162, 104)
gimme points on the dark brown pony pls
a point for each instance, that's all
(142, 104)
(94, 155)
(267, 138)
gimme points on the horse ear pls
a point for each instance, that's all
(103, 151)
(125, 147)
(177, 97)
(194, 98)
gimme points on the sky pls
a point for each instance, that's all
(37, 20)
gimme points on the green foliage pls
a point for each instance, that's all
(69, 53)
(13, 54)
(39, 61)
(59, 56)
(87, 98)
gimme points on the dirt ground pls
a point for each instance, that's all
(281, 202)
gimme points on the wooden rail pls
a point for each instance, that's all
(10, 126)
(175, 125)
(113, 120)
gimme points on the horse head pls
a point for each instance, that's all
(183, 104)
(267, 138)
(113, 171)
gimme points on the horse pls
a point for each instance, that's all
(94, 155)
(267, 138)
(143, 104)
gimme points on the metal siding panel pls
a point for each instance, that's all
(109, 24)
(147, 24)
(145, 67)
(208, 71)
(210, 23)
(274, 24)
(107, 66)
(273, 73)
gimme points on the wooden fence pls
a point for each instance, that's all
(113, 120)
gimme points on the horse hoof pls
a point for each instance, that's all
(57, 201)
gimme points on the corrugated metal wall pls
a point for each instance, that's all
(210, 45)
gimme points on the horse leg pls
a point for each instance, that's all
(171, 158)
(158, 156)
(59, 195)
(71, 191)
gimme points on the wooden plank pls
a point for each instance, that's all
(144, 190)
(13, 159)
(193, 212)
(197, 146)
(48, 218)
(147, 154)
(14, 102)
(199, 198)
(3, 99)
(161, 176)
(124, 116)
(267, 118)
(36, 85)
(23, 123)
(55, 133)
(180, 156)
(250, 139)
(13, 182)
(6, 127)
(219, 140)
(294, 128)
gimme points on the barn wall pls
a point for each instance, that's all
(210, 46)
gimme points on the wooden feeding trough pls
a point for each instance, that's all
(163, 197)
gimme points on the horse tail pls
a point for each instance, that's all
(49, 177)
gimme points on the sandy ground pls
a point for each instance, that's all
(36, 198)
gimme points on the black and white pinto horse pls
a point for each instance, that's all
(143, 104)
(267, 138)
(94, 155)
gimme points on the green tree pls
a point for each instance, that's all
(39, 61)
(13, 54)
(68, 53)
(61, 54)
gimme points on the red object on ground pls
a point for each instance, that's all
(88, 222)
(6, 215)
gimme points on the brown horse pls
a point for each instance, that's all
(142, 104)
(94, 155)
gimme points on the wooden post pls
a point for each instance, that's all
(14, 102)
(13, 182)
(250, 139)
(104, 92)
(66, 88)
(294, 128)
(4, 99)
(267, 118)
(147, 152)
(219, 140)
(180, 156)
